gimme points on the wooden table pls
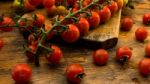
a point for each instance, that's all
(112, 73)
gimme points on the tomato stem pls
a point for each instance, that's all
(124, 59)
(81, 76)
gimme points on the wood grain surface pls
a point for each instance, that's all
(112, 73)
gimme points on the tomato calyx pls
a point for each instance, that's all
(148, 23)
(124, 59)
(80, 76)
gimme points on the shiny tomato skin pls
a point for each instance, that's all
(146, 19)
(141, 34)
(7, 21)
(94, 20)
(113, 7)
(147, 50)
(21, 73)
(71, 35)
(126, 23)
(1, 43)
(100, 57)
(144, 67)
(39, 21)
(48, 3)
(83, 26)
(72, 71)
(55, 56)
(105, 14)
(35, 2)
(123, 51)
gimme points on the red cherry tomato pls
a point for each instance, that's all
(126, 23)
(147, 50)
(48, 3)
(6, 21)
(21, 73)
(71, 2)
(51, 10)
(1, 43)
(71, 35)
(123, 54)
(55, 56)
(100, 57)
(105, 14)
(146, 19)
(33, 47)
(83, 26)
(28, 6)
(94, 20)
(39, 20)
(113, 7)
(144, 67)
(141, 34)
(74, 73)
(35, 2)
(120, 3)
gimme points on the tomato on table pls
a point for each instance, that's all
(100, 57)
(74, 73)
(21, 73)
(141, 34)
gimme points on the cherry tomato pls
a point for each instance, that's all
(28, 6)
(55, 56)
(6, 21)
(1, 43)
(104, 14)
(100, 57)
(71, 2)
(94, 20)
(71, 35)
(21, 73)
(51, 10)
(113, 7)
(146, 19)
(123, 54)
(35, 2)
(83, 26)
(126, 23)
(39, 20)
(120, 3)
(30, 54)
(147, 50)
(144, 67)
(141, 34)
(48, 3)
(74, 73)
